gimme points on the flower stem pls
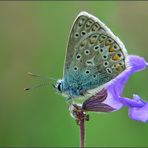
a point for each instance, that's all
(82, 133)
(80, 117)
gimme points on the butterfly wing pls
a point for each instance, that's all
(94, 54)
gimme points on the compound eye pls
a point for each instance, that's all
(59, 87)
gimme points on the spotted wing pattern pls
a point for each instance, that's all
(94, 54)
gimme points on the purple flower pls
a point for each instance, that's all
(110, 98)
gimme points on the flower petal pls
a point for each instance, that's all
(136, 64)
(138, 108)
(140, 114)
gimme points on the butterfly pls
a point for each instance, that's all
(94, 57)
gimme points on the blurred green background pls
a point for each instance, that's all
(33, 37)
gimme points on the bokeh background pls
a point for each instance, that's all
(33, 37)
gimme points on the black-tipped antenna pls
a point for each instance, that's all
(36, 86)
(34, 75)
(39, 85)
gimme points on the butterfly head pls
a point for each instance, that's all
(58, 86)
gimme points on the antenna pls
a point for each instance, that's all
(36, 86)
(39, 85)
(34, 75)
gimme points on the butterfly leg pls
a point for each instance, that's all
(68, 99)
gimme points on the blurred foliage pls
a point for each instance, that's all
(33, 37)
